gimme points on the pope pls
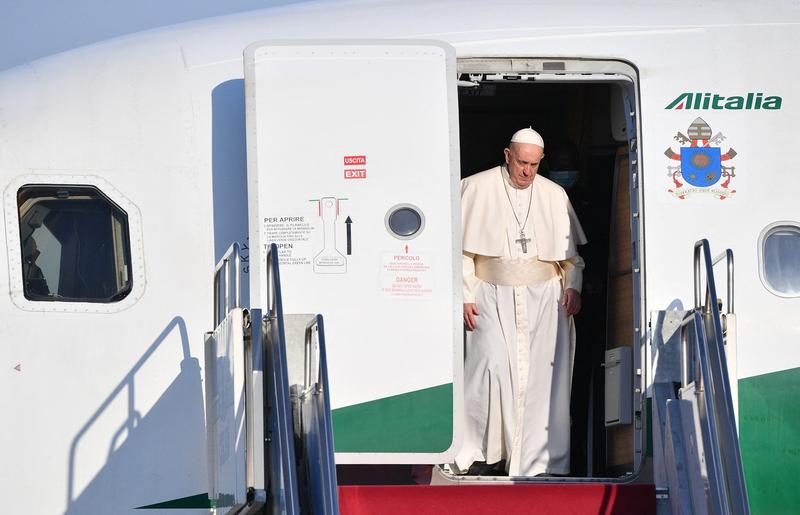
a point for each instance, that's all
(522, 279)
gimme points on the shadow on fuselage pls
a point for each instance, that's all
(156, 455)
(229, 172)
(157, 459)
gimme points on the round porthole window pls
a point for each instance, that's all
(404, 221)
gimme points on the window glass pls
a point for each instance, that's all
(781, 259)
(75, 245)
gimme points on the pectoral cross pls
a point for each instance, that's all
(523, 241)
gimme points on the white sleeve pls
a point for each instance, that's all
(470, 281)
(573, 272)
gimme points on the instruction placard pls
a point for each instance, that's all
(406, 275)
(291, 234)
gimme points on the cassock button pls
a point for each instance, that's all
(552, 363)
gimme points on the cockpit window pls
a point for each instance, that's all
(75, 245)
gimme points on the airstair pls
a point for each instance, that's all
(270, 440)
(698, 464)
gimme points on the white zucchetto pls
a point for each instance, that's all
(529, 136)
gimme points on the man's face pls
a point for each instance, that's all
(523, 161)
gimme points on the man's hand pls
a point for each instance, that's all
(571, 302)
(470, 314)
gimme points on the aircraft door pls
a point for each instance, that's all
(353, 171)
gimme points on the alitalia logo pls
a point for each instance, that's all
(715, 101)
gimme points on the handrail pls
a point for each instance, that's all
(704, 366)
(702, 246)
(316, 427)
(273, 284)
(224, 265)
(307, 381)
(710, 430)
(283, 480)
(728, 256)
(254, 409)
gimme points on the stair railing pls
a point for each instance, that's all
(315, 433)
(232, 275)
(705, 382)
(279, 437)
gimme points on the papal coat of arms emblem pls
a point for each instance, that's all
(699, 166)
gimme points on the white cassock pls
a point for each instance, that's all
(518, 363)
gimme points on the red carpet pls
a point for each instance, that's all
(561, 499)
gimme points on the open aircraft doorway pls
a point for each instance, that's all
(586, 113)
